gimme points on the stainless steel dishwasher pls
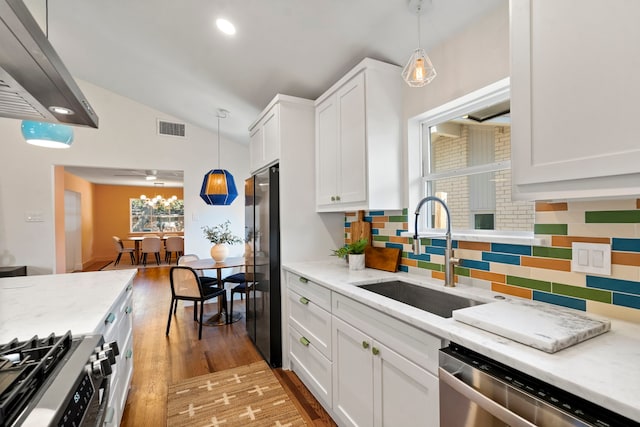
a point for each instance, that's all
(476, 391)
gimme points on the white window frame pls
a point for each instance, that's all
(481, 98)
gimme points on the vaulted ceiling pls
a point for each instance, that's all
(169, 55)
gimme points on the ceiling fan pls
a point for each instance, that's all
(150, 174)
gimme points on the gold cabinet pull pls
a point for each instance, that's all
(304, 341)
(303, 279)
(304, 301)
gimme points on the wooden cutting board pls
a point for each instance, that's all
(360, 229)
(386, 259)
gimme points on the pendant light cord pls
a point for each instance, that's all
(418, 14)
(218, 141)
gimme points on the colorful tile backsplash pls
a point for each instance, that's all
(541, 273)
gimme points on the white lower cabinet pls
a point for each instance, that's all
(365, 367)
(311, 366)
(118, 327)
(375, 386)
(310, 336)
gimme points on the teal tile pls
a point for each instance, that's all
(547, 252)
(556, 229)
(612, 217)
(524, 282)
(579, 292)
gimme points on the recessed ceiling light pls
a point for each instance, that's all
(225, 26)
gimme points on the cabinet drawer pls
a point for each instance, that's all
(312, 320)
(125, 320)
(415, 344)
(311, 366)
(320, 295)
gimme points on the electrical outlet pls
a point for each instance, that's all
(591, 258)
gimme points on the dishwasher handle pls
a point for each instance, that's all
(494, 408)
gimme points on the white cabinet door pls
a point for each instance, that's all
(352, 185)
(352, 375)
(264, 140)
(256, 148)
(574, 88)
(359, 140)
(271, 136)
(404, 394)
(327, 146)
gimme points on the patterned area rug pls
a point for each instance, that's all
(249, 395)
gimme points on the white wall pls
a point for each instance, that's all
(126, 138)
(472, 59)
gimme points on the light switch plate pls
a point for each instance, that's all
(591, 258)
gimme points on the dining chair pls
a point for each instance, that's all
(209, 281)
(117, 243)
(173, 244)
(245, 282)
(186, 286)
(151, 245)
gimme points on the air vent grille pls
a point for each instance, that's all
(171, 129)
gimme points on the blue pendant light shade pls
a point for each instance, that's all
(50, 135)
(218, 187)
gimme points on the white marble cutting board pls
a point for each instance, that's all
(539, 325)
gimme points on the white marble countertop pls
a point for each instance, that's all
(604, 369)
(45, 304)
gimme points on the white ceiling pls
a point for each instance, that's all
(134, 177)
(169, 55)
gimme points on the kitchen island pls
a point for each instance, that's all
(83, 303)
(603, 369)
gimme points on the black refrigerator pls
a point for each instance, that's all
(262, 218)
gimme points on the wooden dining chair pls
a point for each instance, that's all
(186, 285)
(209, 281)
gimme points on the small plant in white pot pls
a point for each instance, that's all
(353, 253)
(220, 236)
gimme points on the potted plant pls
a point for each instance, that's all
(220, 236)
(354, 253)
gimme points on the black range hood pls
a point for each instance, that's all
(33, 79)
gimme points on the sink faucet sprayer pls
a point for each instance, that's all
(449, 260)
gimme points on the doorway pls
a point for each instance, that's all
(73, 231)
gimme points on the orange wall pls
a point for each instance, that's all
(86, 190)
(111, 214)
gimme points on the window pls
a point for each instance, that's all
(156, 215)
(466, 162)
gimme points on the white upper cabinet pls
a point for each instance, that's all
(575, 92)
(264, 139)
(358, 140)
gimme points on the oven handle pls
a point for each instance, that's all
(495, 409)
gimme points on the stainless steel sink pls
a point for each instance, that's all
(436, 302)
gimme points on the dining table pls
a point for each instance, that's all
(211, 264)
(137, 240)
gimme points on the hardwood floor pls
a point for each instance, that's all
(160, 360)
